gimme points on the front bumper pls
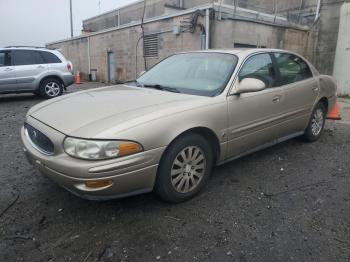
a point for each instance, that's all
(131, 175)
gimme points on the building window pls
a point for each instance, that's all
(151, 45)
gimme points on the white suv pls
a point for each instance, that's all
(32, 69)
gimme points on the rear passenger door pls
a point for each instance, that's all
(300, 91)
(30, 67)
(253, 116)
(7, 72)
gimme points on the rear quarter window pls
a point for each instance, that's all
(50, 58)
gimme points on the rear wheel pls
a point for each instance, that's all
(316, 123)
(50, 88)
(184, 169)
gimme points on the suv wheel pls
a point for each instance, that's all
(184, 169)
(316, 123)
(50, 88)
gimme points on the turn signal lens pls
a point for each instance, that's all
(129, 148)
(98, 183)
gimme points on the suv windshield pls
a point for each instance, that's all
(203, 74)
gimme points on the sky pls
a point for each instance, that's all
(37, 22)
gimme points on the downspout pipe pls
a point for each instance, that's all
(207, 28)
(89, 54)
(318, 10)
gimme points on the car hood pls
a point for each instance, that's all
(89, 113)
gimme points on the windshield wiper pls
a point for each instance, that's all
(160, 87)
(137, 83)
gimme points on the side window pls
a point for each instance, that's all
(2, 59)
(24, 57)
(259, 66)
(5, 58)
(38, 58)
(50, 58)
(292, 68)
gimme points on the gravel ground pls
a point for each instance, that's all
(290, 202)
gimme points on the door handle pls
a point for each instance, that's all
(40, 66)
(276, 99)
(8, 69)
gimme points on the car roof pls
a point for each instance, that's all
(243, 51)
(33, 48)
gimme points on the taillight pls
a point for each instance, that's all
(69, 67)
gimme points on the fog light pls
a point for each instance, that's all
(98, 183)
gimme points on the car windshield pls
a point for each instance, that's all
(204, 74)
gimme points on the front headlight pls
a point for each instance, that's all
(99, 149)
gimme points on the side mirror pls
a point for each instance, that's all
(141, 73)
(249, 85)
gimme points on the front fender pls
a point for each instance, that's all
(162, 131)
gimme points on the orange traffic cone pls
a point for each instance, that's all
(334, 113)
(77, 79)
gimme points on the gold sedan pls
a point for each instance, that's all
(166, 130)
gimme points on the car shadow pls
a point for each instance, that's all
(19, 97)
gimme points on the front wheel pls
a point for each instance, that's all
(184, 168)
(50, 88)
(316, 123)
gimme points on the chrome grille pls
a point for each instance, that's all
(38, 140)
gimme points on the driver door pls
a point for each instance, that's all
(254, 116)
(8, 80)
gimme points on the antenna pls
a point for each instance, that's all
(99, 6)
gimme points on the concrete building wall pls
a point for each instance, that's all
(101, 22)
(122, 44)
(327, 36)
(318, 43)
(228, 32)
(124, 15)
(76, 51)
(342, 57)
(267, 6)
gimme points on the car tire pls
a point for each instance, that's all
(50, 88)
(184, 168)
(316, 124)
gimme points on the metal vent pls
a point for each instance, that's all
(151, 45)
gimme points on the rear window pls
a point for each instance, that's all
(50, 58)
(24, 57)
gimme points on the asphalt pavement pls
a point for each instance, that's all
(290, 202)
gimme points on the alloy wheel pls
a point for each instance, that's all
(52, 89)
(317, 122)
(188, 169)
